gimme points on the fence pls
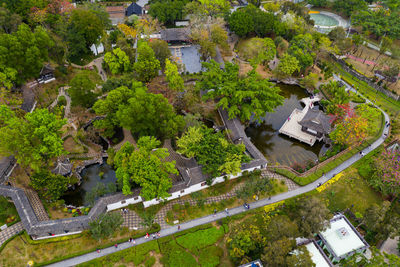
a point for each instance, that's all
(365, 79)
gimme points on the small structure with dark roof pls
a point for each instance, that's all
(316, 123)
(134, 9)
(46, 74)
(175, 35)
(63, 168)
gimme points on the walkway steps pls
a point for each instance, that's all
(37, 205)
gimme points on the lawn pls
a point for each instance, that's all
(352, 192)
(8, 212)
(18, 251)
(193, 247)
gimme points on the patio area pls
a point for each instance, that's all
(187, 56)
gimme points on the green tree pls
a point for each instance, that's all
(313, 216)
(302, 47)
(84, 29)
(9, 21)
(219, 36)
(167, 11)
(275, 253)
(109, 106)
(117, 61)
(33, 139)
(318, 3)
(212, 151)
(241, 96)
(287, 66)
(81, 90)
(377, 258)
(310, 81)
(146, 167)
(375, 215)
(244, 240)
(281, 227)
(301, 258)
(22, 54)
(150, 114)
(214, 7)
(161, 50)
(49, 186)
(348, 6)
(258, 50)
(105, 225)
(175, 81)
(147, 65)
(241, 23)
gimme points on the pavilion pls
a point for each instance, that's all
(63, 168)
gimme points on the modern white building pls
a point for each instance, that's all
(341, 239)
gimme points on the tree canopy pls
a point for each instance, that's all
(212, 151)
(287, 66)
(33, 139)
(147, 65)
(175, 81)
(81, 90)
(242, 97)
(146, 167)
(22, 54)
(150, 114)
(49, 186)
(117, 61)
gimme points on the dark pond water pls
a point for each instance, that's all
(278, 148)
(91, 177)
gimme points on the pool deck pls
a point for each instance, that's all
(292, 128)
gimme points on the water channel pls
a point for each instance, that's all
(91, 176)
(278, 148)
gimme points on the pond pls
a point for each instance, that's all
(91, 177)
(278, 148)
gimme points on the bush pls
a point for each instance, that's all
(62, 101)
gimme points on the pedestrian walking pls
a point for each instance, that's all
(158, 234)
(226, 210)
(98, 250)
(215, 212)
(154, 236)
(116, 245)
(134, 242)
(130, 240)
(179, 227)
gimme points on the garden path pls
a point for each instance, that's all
(62, 92)
(37, 205)
(10, 232)
(98, 62)
(127, 138)
(254, 205)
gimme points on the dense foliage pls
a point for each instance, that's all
(49, 186)
(33, 139)
(212, 151)
(146, 167)
(242, 97)
(105, 225)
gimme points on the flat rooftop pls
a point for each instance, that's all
(292, 128)
(341, 238)
(316, 255)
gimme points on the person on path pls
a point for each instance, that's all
(116, 245)
(98, 250)
(134, 242)
(130, 240)
(215, 212)
(179, 227)
(158, 234)
(154, 236)
(226, 210)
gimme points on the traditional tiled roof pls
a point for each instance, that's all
(175, 34)
(316, 120)
(63, 168)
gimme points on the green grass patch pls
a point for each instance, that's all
(8, 212)
(200, 239)
(210, 256)
(352, 192)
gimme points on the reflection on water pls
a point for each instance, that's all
(91, 177)
(279, 148)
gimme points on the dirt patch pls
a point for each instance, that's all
(72, 147)
(20, 178)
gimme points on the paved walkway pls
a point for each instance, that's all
(237, 210)
(37, 205)
(67, 108)
(127, 138)
(10, 232)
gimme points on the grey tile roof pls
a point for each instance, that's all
(175, 34)
(316, 120)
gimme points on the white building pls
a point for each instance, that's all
(341, 239)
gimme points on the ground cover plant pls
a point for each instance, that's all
(8, 212)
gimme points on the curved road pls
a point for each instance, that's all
(237, 210)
